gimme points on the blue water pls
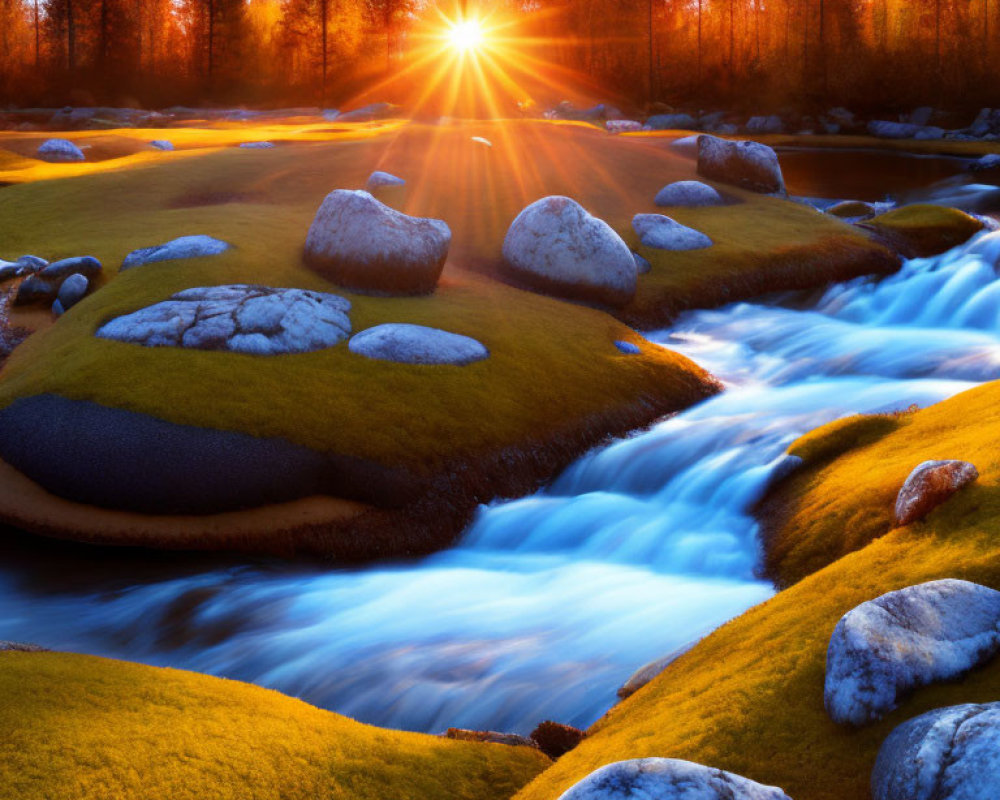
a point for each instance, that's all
(549, 603)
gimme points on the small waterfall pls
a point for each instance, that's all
(550, 602)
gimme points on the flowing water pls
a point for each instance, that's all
(548, 603)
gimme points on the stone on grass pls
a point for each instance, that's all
(689, 194)
(668, 779)
(889, 646)
(416, 344)
(555, 246)
(34, 289)
(182, 247)
(59, 270)
(947, 754)
(642, 266)
(663, 233)
(360, 243)
(257, 145)
(930, 485)
(379, 180)
(750, 165)
(623, 126)
(72, 291)
(256, 320)
(60, 150)
(671, 122)
(162, 144)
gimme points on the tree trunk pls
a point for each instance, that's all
(70, 37)
(38, 49)
(324, 11)
(652, 62)
(211, 39)
(699, 41)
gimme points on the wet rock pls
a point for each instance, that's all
(555, 739)
(361, 243)
(623, 126)
(689, 194)
(627, 348)
(380, 180)
(992, 161)
(642, 266)
(34, 289)
(72, 291)
(947, 754)
(257, 145)
(750, 165)
(60, 150)
(930, 485)
(60, 270)
(768, 124)
(664, 233)
(491, 737)
(416, 344)
(906, 639)
(256, 320)
(182, 247)
(668, 779)
(162, 144)
(671, 122)
(555, 246)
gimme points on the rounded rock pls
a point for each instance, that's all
(60, 150)
(72, 291)
(930, 485)
(663, 233)
(415, 344)
(182, 247)
(59, 270)
(749, 165)
(381, 180)
(689, 194)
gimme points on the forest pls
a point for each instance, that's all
(757, 54)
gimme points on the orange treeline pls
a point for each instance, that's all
(755, 53)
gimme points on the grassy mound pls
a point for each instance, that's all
(555, 383)
(919, 231)
(80, 727)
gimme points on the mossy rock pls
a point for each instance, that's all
(921, 230)
(437, 440)
(78, 727)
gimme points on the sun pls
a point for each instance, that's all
(467, 35)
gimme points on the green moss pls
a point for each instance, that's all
(842, 435)
(924, 230)
(82, 727)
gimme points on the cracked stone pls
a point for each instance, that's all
(256, 320)
(889, 646)
(556, 247)
(668, 779)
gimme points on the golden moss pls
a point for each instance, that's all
(79, 728)
(842, 435)
(924, 230)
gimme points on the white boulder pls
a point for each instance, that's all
(182, 247)
(555, 246)
(906, 639)
(360, 243)
(668, 779)
(416, 344)
(689, 194)
(663, 233)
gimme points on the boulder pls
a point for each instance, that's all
(257, 145)
(768, 124)
(256, 320)
(555, 246)
(34, 289)
(663, 233)
(59, 150)
(623, 126)
(162, 144)
(182, 247)
(906, 639)
(886, 129)
(992, 161)
(671, 122)
(947, 754)
(416, 344)
(72, 291)
(750, 165)
(59, 270)
(491, 737)
(688, 194)
(987, 123)
(379, 180)
(361, 243)
(642, 266)
(668, 779)
(930, 485)
(555, 739)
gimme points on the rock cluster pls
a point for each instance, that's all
(555, 246)
(256, 320)
(930, 485)
(668, 779)
(906, 639)
(62, 283)
(360, 243)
